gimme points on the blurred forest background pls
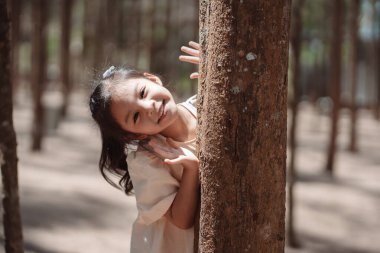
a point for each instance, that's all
(59, 47)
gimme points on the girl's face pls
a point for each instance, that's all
(142, 106)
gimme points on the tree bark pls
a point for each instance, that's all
(242, 125)
(377, 67)
(8, 152)
(151, 35)
(15, 13)
(335, 79)
(89, 29)
(99, 51)
(39, 9)
(65, 52)
(137, 12)
(296, 41)
(355, 5)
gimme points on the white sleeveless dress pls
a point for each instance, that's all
(155, 186)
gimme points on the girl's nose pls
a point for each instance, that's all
(149, 107)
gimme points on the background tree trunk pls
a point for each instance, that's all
(15, 13)
(377, 70)
(39, 10)
(335, 79)
(242, 125)
(99, 52)
(8, 152)
(90, 15)
(65, 52)
(355, 5)
(151, 34)
(136, 12)
(296, 42)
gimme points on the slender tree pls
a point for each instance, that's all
(168, 28)
(335, 79)
(40, 10)
(89, 28)
(8, 152)
(136, 12)
(151, 32)
(15, 14)
(66, 11)
(376, 21)
(355, 5)
(296, 41)
(242, 125)
(98, 43)
(112, 8)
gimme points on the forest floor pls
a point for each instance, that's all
(67, 207)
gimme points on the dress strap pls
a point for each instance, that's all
(191, 105)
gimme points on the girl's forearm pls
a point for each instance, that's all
(182, 211)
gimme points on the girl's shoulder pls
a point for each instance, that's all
(191, 105)
(192, 100)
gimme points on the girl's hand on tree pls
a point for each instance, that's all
(193, 58)
(175, 154)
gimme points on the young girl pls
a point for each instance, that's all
(149, 141)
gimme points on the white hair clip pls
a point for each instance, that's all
(108, 72)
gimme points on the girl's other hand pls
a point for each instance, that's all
(175, 154)
(193, 58)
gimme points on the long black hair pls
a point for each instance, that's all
(114, 138)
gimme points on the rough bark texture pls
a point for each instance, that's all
(65, 52)
(39, 9)
(15, 13)
(296, 40)
(8, 154)
(335, 79)
(242, 125)
(354, 76)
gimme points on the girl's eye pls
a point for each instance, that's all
(142, 92)
(135, 116)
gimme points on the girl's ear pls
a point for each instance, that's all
(153, 78)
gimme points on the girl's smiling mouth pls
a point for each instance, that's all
(162, 112)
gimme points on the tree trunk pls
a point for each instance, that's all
(242, 125)
(65, 52)
(151, 35)
(335, 78)
(355, 5)
(89, 29)
(99, 52)
(8, 153)
(39, 9)
(15, 13)
(195, 38)
(296, 41)
(137, 12)
(110, 31)
(377, 67)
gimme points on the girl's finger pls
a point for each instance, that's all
(173, 161)
(194, 75)
(194, 45)
(171, 142)
(191, 59)
(190, 51)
